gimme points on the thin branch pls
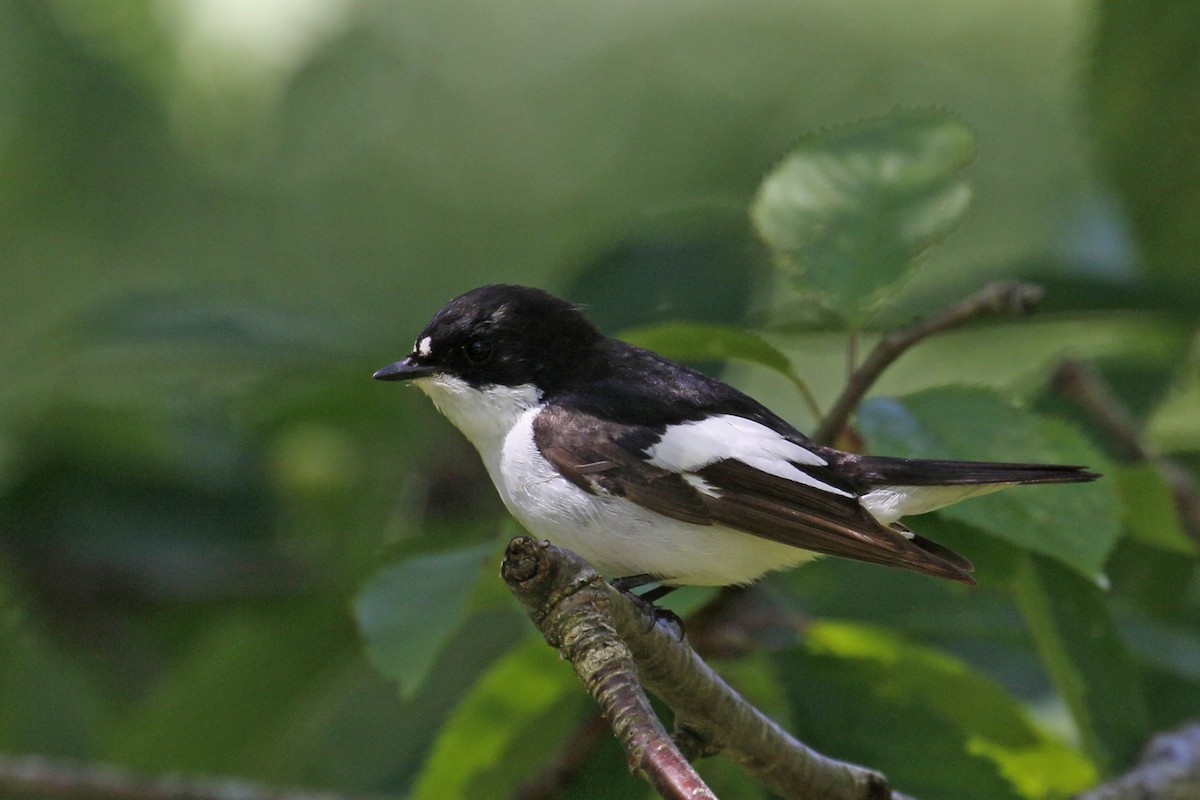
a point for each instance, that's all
(1168, 769)
(611, 642)
(1007, 297)
(61, 779)
(1086, 388)
(565, 598)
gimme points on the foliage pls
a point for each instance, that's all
(852, 209)
(223, 549)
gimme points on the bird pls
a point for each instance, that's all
(659, 474)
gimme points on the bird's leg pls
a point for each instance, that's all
(648, 599)
(693, 744)
(628, 583)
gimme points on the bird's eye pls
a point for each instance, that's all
(477, 351)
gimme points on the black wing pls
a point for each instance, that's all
(605, 457)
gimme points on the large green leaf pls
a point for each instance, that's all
(852, 208)
(934, 726)
(1074, 524)
(510, 723)
(409, 610)
(1144, 105)
(1079, 645)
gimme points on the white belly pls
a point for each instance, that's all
(619, 537)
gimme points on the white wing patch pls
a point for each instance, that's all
(701, 485)
(889, 503)
(692, 446)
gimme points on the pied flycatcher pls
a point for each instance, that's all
(656, 472)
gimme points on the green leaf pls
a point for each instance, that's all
(1144, 107)
(1075, 524)
(852, 208)
(511, 722)
(935, 727)
(1079, 646)
(1149, 510)
(409, 610)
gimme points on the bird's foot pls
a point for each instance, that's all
(647, 601)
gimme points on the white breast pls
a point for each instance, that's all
(485, 416)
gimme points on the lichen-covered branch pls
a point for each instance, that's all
(1006, 297)
(567, 600)
(612, 642)
(1168, 769)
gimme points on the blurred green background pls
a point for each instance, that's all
(218, 217)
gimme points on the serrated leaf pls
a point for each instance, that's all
(927, 720)
(853, 208)
(1079, 646)
(1149, 510)
(1075, 524)
(508, 724)
(407, 611)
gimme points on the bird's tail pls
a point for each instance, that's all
(885, 471)
(892, 488)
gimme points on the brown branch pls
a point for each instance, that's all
(1085, 387)
(61, 779)
(612, 642)
(565, 598)
(1007, 297)
(1168, 769)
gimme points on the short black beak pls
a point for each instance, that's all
(404, 370)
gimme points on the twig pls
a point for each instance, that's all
(1169, 769)
(1086, 388)
(1083, 386)
(611, 642)
(565, 598)
(36, 776)
(998, 298)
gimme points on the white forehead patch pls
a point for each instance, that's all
(424, 347)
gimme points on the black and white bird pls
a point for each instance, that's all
(656, 472)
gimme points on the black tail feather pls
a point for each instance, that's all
(885, 471)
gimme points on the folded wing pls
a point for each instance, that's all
(740, 474)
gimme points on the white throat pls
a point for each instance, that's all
(485, 416)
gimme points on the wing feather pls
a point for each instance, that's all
(607, 458)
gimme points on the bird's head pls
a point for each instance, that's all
(500, 335)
